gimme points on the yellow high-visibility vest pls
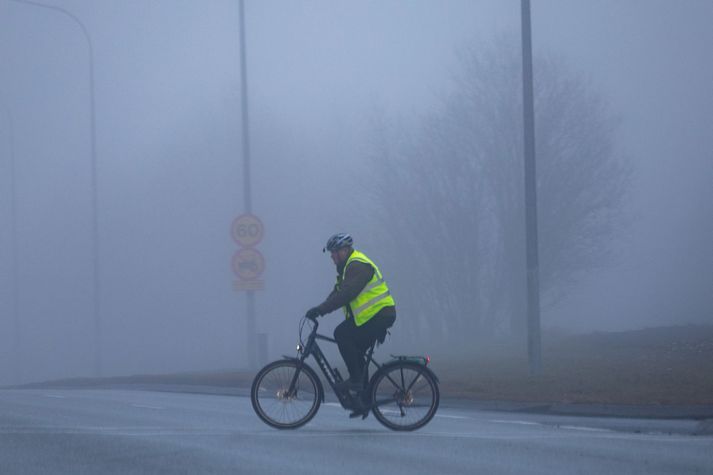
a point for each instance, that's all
(374, 296)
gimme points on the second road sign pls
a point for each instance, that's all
(248, 264)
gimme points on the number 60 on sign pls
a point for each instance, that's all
(247, 230)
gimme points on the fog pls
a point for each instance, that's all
(360, 121)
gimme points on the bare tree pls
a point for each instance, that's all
(449, 190)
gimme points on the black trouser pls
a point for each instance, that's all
(353, 341)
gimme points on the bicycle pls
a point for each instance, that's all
(402, 393)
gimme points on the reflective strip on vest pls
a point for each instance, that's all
(373, 297)
(371, 285)
(371, 302)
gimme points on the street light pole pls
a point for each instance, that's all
(16, 344)
(95, 225)
(251, 333)
(533, 284)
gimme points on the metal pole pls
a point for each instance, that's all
(251, 334)
(533, 285)
(98, 329)
(16, 344)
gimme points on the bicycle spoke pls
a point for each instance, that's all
(418, 375)
(396, 385)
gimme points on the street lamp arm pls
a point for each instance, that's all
(69, 14)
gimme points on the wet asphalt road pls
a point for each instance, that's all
(124, 431)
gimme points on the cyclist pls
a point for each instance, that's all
(367, 302)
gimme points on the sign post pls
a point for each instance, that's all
(533, 284)
(248, 265)
(251, 328)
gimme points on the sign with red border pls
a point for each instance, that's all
(248, 264)
(247, 230)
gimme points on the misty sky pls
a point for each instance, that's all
(170, 173)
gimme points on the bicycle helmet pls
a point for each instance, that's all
(338, 241)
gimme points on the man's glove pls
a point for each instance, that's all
(313, 313)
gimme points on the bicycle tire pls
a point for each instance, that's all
(270, 398)
(406, 396)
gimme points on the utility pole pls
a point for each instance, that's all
(251, 333)
(533, 284)
(17, 331)
(98, 324)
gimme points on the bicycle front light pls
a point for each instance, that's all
(300, 348)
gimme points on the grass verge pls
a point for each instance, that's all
(666, 366)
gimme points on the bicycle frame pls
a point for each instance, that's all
(332, 376)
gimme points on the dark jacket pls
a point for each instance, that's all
(357, 276)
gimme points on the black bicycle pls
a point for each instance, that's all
(402, 393)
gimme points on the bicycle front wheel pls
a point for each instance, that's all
(405, 396)
(281, 404)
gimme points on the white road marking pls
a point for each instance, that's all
(523, 423)
(568, 427)
(451, 417)
(144, 406)
(584, 428)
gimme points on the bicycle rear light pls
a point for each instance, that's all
(428, 360)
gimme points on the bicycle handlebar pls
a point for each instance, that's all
(315, 324)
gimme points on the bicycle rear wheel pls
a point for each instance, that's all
(405, 395)
(276, 403)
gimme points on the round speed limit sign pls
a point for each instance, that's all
(248, 264)
(247, 230)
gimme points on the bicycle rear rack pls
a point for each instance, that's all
(423, 360)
